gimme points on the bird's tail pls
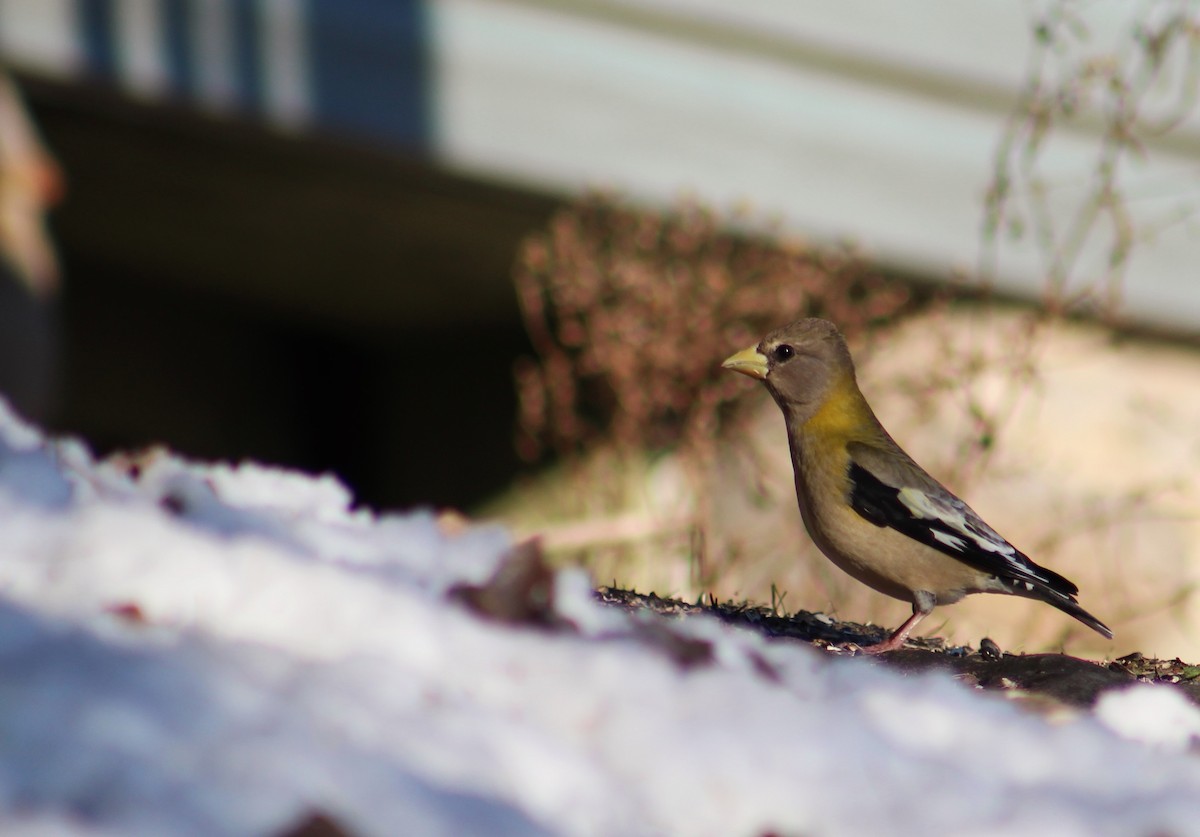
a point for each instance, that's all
(1054, 589)
(1068, 605)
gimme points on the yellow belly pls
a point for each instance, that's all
(880, 557)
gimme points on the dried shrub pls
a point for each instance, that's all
(1131, 89)
(631, 313)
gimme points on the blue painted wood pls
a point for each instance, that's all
(371, 70)
(98, 33)
(248, 63)
(181, 58)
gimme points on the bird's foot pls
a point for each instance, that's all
(896, 641)
(893, 643)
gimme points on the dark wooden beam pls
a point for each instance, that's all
(309, 227)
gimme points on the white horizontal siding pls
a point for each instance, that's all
(869, 119)
(40, 35)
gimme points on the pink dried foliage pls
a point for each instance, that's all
(631, 313)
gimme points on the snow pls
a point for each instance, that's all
(1156, 715)
(212, 649)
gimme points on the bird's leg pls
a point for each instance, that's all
(923, 604)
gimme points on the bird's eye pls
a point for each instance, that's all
(783, 352)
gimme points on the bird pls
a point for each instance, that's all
(868, 506)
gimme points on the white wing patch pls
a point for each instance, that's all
(949, 540)
(955, 516)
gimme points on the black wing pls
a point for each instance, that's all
(941, 521)
(948, 525)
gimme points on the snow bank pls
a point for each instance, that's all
(195, 649)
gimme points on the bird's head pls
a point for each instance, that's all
(799, 363)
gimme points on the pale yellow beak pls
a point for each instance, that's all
(749, 362)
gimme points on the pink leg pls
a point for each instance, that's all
(921, 609)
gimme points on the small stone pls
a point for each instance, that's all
(988, 648)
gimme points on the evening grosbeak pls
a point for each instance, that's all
(868, 506)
